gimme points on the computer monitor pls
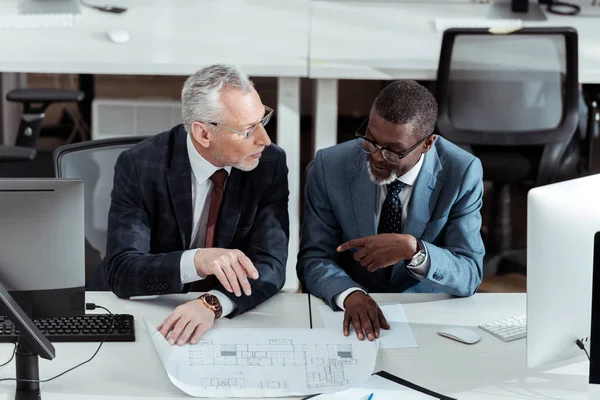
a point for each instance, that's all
(595, 324)
(42, 245)
(562, 220)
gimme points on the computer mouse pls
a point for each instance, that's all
(118, 36)
(460, 334)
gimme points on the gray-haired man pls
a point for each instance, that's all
(202, 207)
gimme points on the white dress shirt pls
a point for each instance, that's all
(405, 195)
(202, 186)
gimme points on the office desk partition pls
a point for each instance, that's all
(132, 370)
(390, 40)
(490, 369)
(265, 38)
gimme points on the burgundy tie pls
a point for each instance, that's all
(218, 179)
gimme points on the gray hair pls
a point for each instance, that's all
(201, 93)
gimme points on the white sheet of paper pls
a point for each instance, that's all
(399, 336)
(382, 389)
(266, 362)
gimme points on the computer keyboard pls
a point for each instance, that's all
(441, 24)
(507, 329)
(30, 21)
(85, 328)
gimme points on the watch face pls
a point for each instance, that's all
(211, 300)
(419, 258)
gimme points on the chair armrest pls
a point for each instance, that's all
(16, 153)
(48, 95)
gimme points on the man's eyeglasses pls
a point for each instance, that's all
(268, 113)
(369, 146)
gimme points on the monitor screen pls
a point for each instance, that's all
(42, 245)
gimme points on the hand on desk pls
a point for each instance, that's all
(382, 250)
(228, 266)
(188, 322)
(364, 314)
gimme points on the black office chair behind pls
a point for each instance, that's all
(512, 100)
(17, 160)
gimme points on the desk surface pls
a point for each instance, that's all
(397, 40)
(178, 37)
(133, 370)
(490, 369)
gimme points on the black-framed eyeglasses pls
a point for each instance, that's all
(370, 146)
(268, 114)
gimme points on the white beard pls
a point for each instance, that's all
(381, 181)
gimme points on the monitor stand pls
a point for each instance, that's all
(501, 9)
(49, 7)
(26, 363)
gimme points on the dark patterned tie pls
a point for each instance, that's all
(390, 220)
(218, 180)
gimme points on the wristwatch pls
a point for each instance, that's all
(418, 259)
(212, 302)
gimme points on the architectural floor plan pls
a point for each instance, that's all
(267, 362)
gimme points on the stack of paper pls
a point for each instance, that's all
(399, 336)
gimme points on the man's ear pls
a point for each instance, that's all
(200, 133)
(428, 143)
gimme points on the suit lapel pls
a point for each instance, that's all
(363, 193)
(179, 182)
(424, 196)
(422, 204)
(230, 210)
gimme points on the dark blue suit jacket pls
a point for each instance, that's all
(444, 212)
(150, 220)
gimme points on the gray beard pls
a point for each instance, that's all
(379, 181)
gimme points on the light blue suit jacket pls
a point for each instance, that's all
(444, 212)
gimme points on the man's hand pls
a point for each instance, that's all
(187, 322)
(382, 250)
(364, 314)
(229, 266)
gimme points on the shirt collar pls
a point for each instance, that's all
(201, 169)
(411, 175)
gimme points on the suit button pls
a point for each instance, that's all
(149, 288)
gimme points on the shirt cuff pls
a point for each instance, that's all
(421, 271)
(340, 298)
(187, 268)
(227, 305)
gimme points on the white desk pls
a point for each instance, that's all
(490, 369)
(176, 37)
(396, 40)
(133, 370)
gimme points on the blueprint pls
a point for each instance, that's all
(266, 362)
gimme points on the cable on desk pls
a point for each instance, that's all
(580, 344)
(105, 8)
(11, 357)
(88, 306)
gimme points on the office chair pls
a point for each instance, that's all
(512, 100)
(93, 161)
(35, 102)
